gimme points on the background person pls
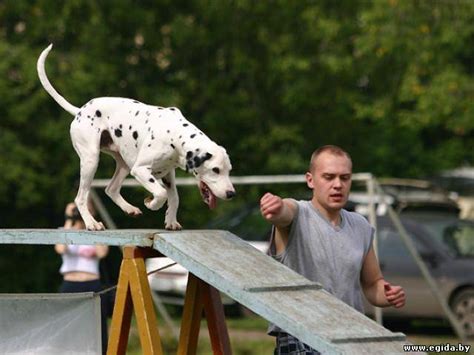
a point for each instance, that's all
(80, 266)
(325, 243)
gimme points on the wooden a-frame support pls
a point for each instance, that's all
(133, 292)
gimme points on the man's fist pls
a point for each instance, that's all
(395, 295)
(270, 206)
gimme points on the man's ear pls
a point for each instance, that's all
(309, 180)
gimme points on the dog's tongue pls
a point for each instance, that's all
(207, 195)
(212, 201)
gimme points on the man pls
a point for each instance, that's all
(325, 243)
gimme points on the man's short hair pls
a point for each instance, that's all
(331, 149)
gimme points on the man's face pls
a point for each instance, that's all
(330, 180)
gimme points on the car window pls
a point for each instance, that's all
(391, 245)
(460, 239)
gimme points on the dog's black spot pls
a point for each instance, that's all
(98, 113)
(136, 145)
(192, 136)
(98, 130)
(185, 125)
(179, 137)
(189, 155)
(197, 161)
(147, 113)
(149, 129)
(152, 137)
(151, 180)
(88, 116)
(135, 101)
(189, 165)
(135, 135)
(108, 117)
(136, 113)
(130, 127)
(149, 145)
(172, 146)
(182, 144)
(146, 122)
(120, 126)
(207, 156)
(172, 108)
(118, 133)
(160, 108)
(79, 113)
(168, 131)
(201, 133)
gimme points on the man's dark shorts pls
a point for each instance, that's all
(287, 344)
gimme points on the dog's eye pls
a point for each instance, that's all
(216, 170)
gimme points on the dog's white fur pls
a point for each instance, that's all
(147, 141)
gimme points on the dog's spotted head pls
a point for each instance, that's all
(211, 168)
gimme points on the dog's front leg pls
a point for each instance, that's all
(171, 221)
(113, 188)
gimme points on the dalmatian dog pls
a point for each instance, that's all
(149, 142)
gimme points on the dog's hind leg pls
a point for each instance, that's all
(142, 172)
(113, 188)
(173, 201)
(89, 162)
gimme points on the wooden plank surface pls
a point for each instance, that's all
(313, 315)
(135, 237)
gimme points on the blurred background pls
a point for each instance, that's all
(392, 82)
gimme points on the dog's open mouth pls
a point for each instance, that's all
(207, 195)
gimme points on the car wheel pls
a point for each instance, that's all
(463, 308)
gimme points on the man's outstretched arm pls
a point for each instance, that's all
(279, 212)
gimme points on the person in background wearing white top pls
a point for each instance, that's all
(80, 267)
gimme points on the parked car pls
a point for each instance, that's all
(446, 245)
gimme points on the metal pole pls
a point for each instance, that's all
(109, 222)
(373, 222)
(424, 270)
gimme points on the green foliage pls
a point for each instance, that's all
(391, 81)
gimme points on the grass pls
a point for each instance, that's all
(248, 336)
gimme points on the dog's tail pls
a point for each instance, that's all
(73, 110)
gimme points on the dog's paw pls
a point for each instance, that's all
(95, 226)
(154, 203)
(173, 226)
(134, 212)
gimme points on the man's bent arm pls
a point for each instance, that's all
(373, 283)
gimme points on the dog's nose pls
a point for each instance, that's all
(229, 194)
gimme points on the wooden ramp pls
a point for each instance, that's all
(231, 265)
(277, 293)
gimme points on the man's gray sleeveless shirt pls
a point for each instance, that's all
(332, 256)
